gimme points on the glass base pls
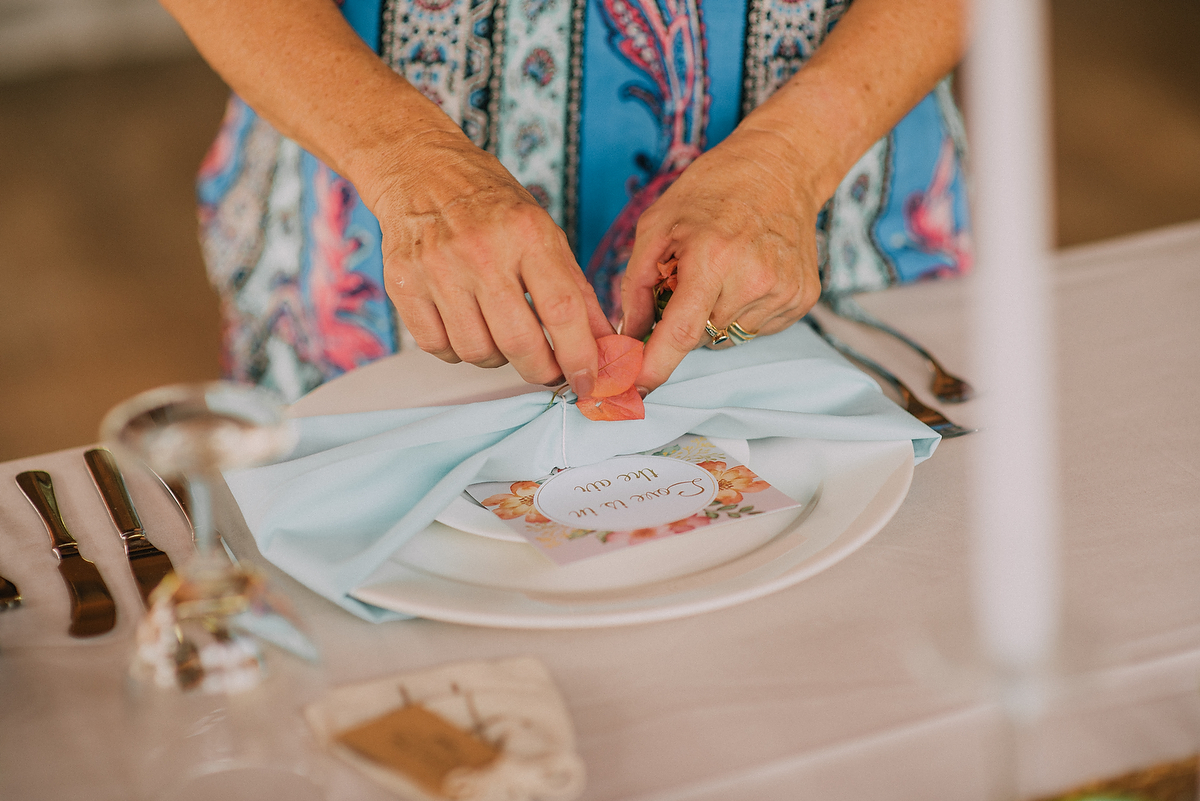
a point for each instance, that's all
(245, 784)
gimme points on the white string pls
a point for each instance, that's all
(564, 432)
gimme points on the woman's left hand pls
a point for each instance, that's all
(742, 221)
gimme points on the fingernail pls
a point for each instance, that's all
(583, 383)
(643, 392)
(556, 382)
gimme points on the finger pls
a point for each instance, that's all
(518, 334)
(751, 317)
(681, 328)
(776, 324)
(637, 285)
(562, 308)
(745, 290)
(766, 316)
(468, 332)
(756, 295)
(423, 321)
(598, 322)
(783, 318)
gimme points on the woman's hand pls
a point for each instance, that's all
(742, 222)
(463, 242)
(462, 239)
(742, 217)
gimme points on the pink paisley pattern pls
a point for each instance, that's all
(665, 41)
(338, 294)
(929, 216)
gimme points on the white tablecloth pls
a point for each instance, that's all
(859, 683)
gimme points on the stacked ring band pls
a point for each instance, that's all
(727, 337)
(738, 334)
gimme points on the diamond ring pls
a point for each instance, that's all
(719, 336)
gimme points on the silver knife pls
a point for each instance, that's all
(92, 609)
(148, 564)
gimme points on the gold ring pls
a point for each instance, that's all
(719, 336)
(738, 334)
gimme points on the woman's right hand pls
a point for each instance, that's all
(463, 242)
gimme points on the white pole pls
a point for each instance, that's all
(1015, 533)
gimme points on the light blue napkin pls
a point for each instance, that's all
(360, 485)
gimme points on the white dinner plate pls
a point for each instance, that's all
(850, 490)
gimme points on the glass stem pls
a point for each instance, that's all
(200, 495)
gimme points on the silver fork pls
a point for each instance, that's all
(948, 387)
(930, 417)
(10, 596)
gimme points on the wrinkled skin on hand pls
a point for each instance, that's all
(742, 223)
(463, 242)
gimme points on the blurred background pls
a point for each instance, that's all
(106, 111)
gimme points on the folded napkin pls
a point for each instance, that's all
(360, 485)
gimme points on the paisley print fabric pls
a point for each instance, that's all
(295, 257)
(781, 37)
(664, 44)
(444, 48)
(596, 106)
(533, 93)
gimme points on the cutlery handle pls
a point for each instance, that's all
(108, 480)
(39, 489)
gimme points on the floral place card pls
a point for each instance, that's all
(580, 512)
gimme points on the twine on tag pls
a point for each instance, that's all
(563, 440)
(560, 397)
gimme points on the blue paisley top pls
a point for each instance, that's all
(595, 106)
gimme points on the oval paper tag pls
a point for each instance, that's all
(626, 493)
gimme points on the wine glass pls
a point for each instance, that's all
(216, 723)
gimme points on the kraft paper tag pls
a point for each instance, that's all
(420, 744)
